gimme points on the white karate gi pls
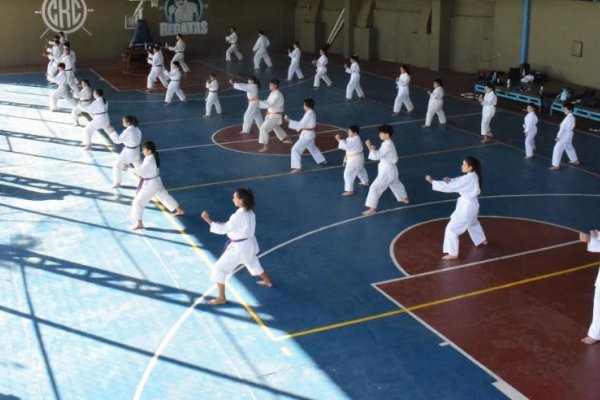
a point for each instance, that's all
(565, 141)
(174, 86)
(67, 59)
(242, 248)
(387, 174)
(260, 52)
(354, 161)
(85, 99)
(213, 97)
(179, 50)
(156, 60)
(306, 126)
(151, 186)
(465, 215)
(295, 64)
(252, 112)
(488, 111)
(403, 96)
(321, 66)
(354, 82)
(61, 92)
(274, 106)
(131, 138)
(530, 130)
(54, 54)
(233, 47)
(100, 120)
(435, 106)
(594, 331)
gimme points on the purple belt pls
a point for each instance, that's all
(229, 241)
(141, 182)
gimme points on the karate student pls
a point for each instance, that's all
(593, 241)
(67, 59)
(174, 86)
(354, 160)
(252, 113)
(241, 247)
(212, 97)
(530, 130)
(403, 96)
(150, 185)
(354, 82)
(488, 103)
(436, 104)
(306, 126)
(564, 139)
(54, 52)
(131, 138)
(274, 106)
(294, 68)
(62, 37)
(321, 65)
(100, 120)
(260, 50)
(85, 99)
(156, 60)
(387, 171)
(179, 50)
(465, 215)
(232, 39)
(62, 91)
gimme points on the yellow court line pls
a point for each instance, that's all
(433, 303)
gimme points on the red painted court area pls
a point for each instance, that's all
(519, 305)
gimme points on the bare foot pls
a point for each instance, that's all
(404, 200)
(323, 163)
(576, 162)
(264, 282)
(553, 168)
(347, 193)
(369, 212)
(395, 114)
(179, 212)
(76, 124)
(148, 90)
(425, 126)
(116, 185)
(243, 133)
(137, 226)
(528, 157)
(167, 104)
(588, 340)
(205, 116)
(486, 139)
(364, 184)
(449, 257)
(287, 141)
(87, 147)
(295, 170)
(263, 149)
(485, 243)
(125, 167)
(217, 302)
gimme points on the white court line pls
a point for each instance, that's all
(105, 80)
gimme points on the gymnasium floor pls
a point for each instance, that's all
(362, 308)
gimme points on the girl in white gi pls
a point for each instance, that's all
(387, 171)
(53, 53)
(354, 160)
(321, 65)
(593, 241)
(212, 97)
(241, 247)
(354, 82)
(488, 103)
(260, 51)
(179, 50)
(85, 99)
(294, 68)
(403, 96)
(100, 120)
(131, 138)
(67, 59)
(465, 215)
(232, 39)
(306, 126)
(436, 104)
(530, 130)
(564, 139)
(273, 119)
(252, 113)
(174, 86)
(62, 91)
(150, 185)
(156, 60)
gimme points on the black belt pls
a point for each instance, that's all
(68, 69)
(157, 65)
(134, 147)
(99, 113)
(178, 52)
(233, 43)
(213, 91)
(175, 80)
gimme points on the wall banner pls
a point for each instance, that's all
(185, 17)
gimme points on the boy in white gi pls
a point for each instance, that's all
(530, 130)
(354, 160)
(564, 139)
(436, 104)
(354, 82)
(465, 215)
(321, 65)
(131, 139)
(98, 110)
(156, 60)
(252, 113)
(62, 91)
(273, 119)
(174, 86)
(306, 126)
(488, 110)
(260, 51)
(593, 241)
(294, 68)
(54, 52)
(179, 50)
(241, 247)
(212, 95)
(85, 99)
(403, 96)
(232, 39)
(387, 171)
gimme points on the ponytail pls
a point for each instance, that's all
(131, 120)
(476, 165)
(100, 93)
(152, 147)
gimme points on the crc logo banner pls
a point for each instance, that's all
(185, 17)
(67, 16)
